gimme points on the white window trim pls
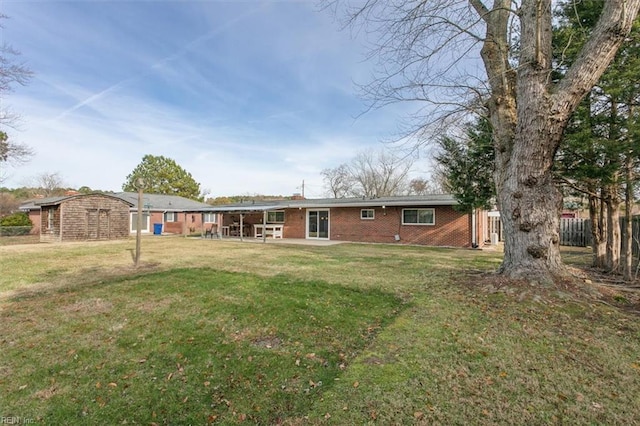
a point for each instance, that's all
(213, 216)
(306, 231)
(274, 212)
(373, 211)
(174, 217)
(133, 222)
(49, 218)
(418, 223)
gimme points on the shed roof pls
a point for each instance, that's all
(153, 202)
(52, 201)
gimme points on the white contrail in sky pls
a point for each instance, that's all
(161, 63)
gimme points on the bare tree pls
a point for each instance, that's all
(13, 152)
(8, 204)
(11, 72)
(420, 186)
(338, 181)
(370, 174)
(425, 48)
(379, 174)
(50, 184)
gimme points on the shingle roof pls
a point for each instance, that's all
(421, 200)
(159, 202)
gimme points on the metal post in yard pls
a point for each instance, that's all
(140, 183)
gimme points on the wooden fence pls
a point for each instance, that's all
(635, 233)
(577, 232)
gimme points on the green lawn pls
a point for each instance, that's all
(226, 332)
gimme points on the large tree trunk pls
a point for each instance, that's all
(530, 202)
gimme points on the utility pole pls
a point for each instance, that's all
(302, 188)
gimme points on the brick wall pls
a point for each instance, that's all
(186, 223)
(34, 216)
(295, 223)
(451, 229)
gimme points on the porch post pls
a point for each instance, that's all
(264, 225)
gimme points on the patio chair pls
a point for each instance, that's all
(212, 232)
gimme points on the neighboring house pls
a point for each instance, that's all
(175, 214)
(427, 220)
(161, 214)
(79, 217)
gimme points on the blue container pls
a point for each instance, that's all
(157, 229)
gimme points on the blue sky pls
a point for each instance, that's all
(250, 97)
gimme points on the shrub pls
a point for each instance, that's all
(13, 231)
(16, 219)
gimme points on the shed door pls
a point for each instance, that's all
(97, 224)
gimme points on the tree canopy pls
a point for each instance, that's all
(162, 175)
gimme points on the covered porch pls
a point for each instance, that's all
(247, 222)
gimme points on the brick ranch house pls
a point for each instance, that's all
(425, 220)
(81, 217)
(177, 215)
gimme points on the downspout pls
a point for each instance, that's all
(241, 231)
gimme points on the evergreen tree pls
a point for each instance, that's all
(599, 154)
(161, 175)
(467, 165)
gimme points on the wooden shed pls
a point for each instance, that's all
(84, 217)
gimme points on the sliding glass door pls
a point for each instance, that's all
(318, 224)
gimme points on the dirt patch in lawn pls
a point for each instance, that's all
(578, 285)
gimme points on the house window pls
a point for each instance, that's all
(49, 218)
(171, 217)
(418, 217)
(210, 218)
(367, 214)
(145, 222)
(276, 216)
